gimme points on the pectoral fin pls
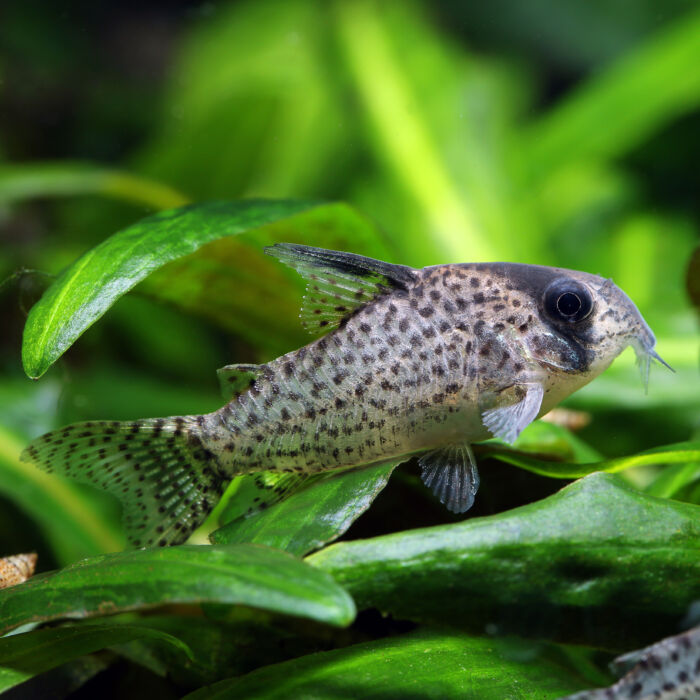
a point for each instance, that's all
(451, 474)
(507, 422)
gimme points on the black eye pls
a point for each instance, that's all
(567, 300)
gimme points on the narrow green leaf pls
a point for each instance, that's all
(622, 105)
(19, 181)
(402, 135)
(32, 653)
(423, 664)
(83, 292)
(313, 517)
(597, 562)
(681, 452)
(134, 580)
(673, 479)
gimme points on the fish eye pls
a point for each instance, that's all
(568, 300)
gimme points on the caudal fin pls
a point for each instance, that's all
(167, 481)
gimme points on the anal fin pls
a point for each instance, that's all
(523, 404)
(451, 474)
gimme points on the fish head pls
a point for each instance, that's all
(582, 321)
(568, 323)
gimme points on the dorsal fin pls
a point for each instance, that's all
(235, 379)
(338, 283)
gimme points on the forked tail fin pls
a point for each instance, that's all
(167, 481)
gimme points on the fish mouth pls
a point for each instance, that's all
(644, 348)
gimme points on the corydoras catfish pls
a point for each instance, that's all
(415, 362)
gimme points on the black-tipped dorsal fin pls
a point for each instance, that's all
(235, 379)
(338, 283)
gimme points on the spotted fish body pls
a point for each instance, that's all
(415, 362)
(667, 670)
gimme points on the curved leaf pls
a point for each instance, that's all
(20, 181)
(241, 574)
(83, 292)
(681, 452)
(597, 562)
(313, 517)
(25, 655)
(650, 86)
(232, 283)
(425, 664)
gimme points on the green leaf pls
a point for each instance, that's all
(670, 481)
(423, 664)
(25, 655)
(597, 562)
(649, 86)
(232, 123)
(681, 452)
(440, 124)
(19, 181)
(134, 580)
(224, 648)
(233, 284)
(692, 279)
(313, 517)
(84, 291)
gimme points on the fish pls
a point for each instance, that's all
(667, 670)
(16, 569)
(409, 362)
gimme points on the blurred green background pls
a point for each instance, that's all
(549, 132)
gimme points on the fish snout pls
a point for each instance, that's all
(644, 343)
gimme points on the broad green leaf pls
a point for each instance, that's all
(232, 283)
(619, 107)
(83, 292)
(25, 655)
(9, 678)
(134, 580)
(222, 649)
(681, 452)
(423, 664)
(597, 562)
(313, 517)
(19, 181)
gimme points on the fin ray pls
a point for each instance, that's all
(167, 480)
(507, 422)
(338, 284)
(451, 474)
